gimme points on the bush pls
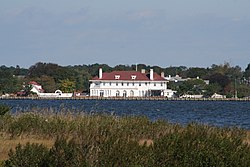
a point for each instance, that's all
(66, 154)
(4, 109)
(99, 140)
(63, 153)
(202, 146)
(32, 155)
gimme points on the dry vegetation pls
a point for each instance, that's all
(101, 140)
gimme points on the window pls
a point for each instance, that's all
(161, 83)
(117, 93)
(122, 83)
(117, 76)
(110, 84)
(116, 83)
(131, 93)
(133, 84)
(146, 83)
(139, 84)
(154, 84)
(124, 93)
(101, 93)
(128, 84)
(133, 77)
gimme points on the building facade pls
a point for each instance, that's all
(128, 84)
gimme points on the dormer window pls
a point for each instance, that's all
(133, 77)
(117, 76)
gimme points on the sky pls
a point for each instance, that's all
(192, 33)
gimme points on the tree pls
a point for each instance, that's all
(48, 83)
(212, 88)
(197, 72)
(227, 70)
(122, 68)
(247, 73)
(176, 71)
(67, 86)
(194, 86)
(9, 83)
(243, 91)
(221, 80)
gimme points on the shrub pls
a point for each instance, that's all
(33, 155)
(66, 154)
(4, 109)
(98, 140)
(202, 146)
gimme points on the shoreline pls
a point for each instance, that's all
(127, 98)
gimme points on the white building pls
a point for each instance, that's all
(218, 96)
(129, 84)
(37, 88)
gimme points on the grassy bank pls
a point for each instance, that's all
(101, 140)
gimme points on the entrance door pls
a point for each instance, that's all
(101, 93)
(124, 93)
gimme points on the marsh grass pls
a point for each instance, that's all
(106, 140)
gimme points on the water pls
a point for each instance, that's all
(217, 113)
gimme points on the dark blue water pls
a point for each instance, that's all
(217, 113)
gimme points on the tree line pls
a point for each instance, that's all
(224, 78)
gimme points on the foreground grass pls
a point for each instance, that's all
(101, 140)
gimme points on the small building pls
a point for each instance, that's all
(35, 87)
(218, 96)
(176, 78)
(191, 96)
(57, 94)
(129, 84)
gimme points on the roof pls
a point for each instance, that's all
(34, 83)
(127, 76)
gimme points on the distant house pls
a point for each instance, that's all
(129, 84)
(218, 96)
(36, 88)
(191, 96)
(177, 78)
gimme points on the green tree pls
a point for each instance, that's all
(227, 70)
(221, 80)
(194, 86)
(67, 86)
(48, 83)
(243, 91)
(173, 71)
(9, 83)
(247, 74)
(212, 88)
(197, 72)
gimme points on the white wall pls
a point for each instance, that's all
(132, 88)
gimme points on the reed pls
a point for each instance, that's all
(76, 139)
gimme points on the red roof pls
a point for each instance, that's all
(34, 83)
(127, 76)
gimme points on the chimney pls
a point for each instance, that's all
(151, 74)
(143, 71)
(162, 74)
(100, 73)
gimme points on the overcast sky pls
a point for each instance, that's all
(193, 33)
